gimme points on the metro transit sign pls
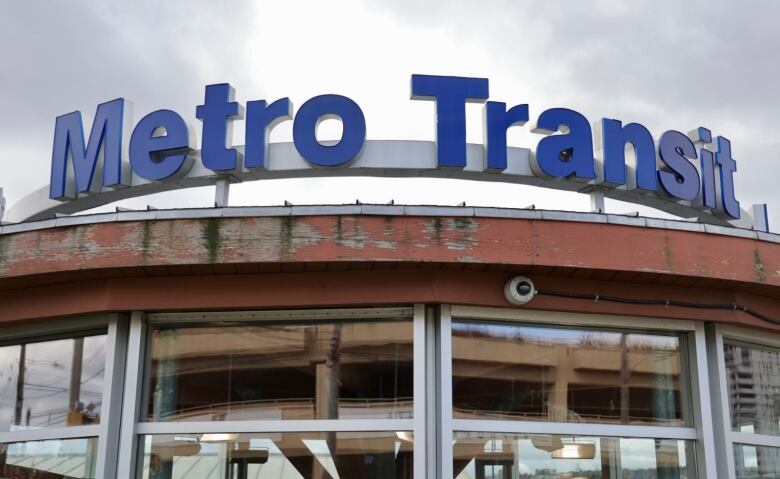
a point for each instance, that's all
(687, 174)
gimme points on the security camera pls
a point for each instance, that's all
(519, 290)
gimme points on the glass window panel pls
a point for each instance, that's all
(522, 372)
(756, 462)
(55, 459)
(323, 370)
(52, 383)
(523, 456)
(343, 455)
(753, 379)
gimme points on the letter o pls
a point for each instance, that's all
(353, 137)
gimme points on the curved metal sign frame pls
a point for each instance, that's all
(379, 158)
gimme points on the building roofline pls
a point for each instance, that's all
(387, 210)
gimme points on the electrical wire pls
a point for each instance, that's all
(660, 302)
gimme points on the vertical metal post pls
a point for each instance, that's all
(702, 400)
(719, 402)
(133, 386)
(222, 193)
(111, 413)
(422, 433)
(445, 392)
(597, 201)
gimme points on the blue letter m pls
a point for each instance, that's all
(105, 143)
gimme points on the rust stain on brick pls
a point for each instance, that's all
(386, 238)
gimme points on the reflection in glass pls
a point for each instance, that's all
(56, 459)
(281, 371)
(524, 456)
(343, 455)
(756, 461)
(52, 383)
(510, 371)
(753, 378)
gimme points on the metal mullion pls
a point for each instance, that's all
(751, 439)
(265, 426)
(432, 394)
(108, 443)
(282, 315)
(574, 429)
(52, 330)
(128, 444)
(55, 433)
(701, 401)
(445, 391)
(719, 402)
(572, 319)
(420, 387)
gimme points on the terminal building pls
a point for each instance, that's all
(366, 341)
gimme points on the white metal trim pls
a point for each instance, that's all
(110, 422)
(44, 329)
(751, 336)
(572, 319)
(701, 403)
(749, 439)
(128, 443)
(445, 391)
(283, 315)
(574, 429)
(378, 158)
(314, 425)
(420, 397)
(54, 433)
(719, 401)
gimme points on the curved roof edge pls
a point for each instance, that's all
(387, 210)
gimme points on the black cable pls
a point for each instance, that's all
(660, 302)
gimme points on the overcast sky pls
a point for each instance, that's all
(665, 64)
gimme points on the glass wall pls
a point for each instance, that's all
(756, 461)
(317, 370)
(511, 376)
(468, 393)
(347, 383)
(52, 389)
(353, 455)
(52, 383)
(54, 459)
(753, 380)
(525, 456)
(535, 373)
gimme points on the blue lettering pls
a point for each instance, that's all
(216, 112)
(727, 169)
(261, 118)
(678, 176)
(451, 95)
(565, 155)
(353, 135)
(159, 146)
(105, 138)
(497, 122)
(615, 136)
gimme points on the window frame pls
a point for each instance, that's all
(134, 428)
(114, 326)
(700, 432)
(717, 336)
